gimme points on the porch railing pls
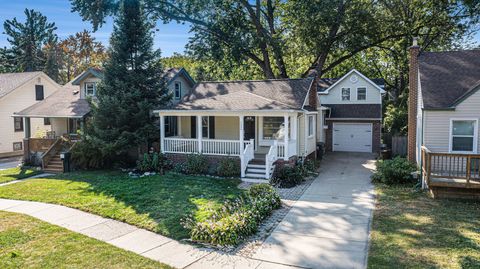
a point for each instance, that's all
(450, 166)
(292, 149)
(247, 155)
(270, 158)
(208, 146)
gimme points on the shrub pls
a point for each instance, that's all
(396, 171)
(85, 155)
(153, 162)
(236, 219)
(228, 167)
(196, 164)
(287, 176)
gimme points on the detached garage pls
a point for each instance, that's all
(352, 137)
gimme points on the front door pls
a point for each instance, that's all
(249, 128)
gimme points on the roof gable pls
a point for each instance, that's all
(11, 81)
(172, 73)
(448, 78)
(330, 83)
(95, 72)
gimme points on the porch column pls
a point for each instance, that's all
(242, 133)
(294, 132)
(162, 133)
(27, 128)
(179, 126)
(286, 137)
(199, 133)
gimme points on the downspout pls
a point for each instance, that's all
(421, 143)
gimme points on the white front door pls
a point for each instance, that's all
(352, 137)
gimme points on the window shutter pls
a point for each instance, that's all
(211, 127)
(38, 92)
(193, 126)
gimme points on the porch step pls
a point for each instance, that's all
(254, 175)
(54, 166)
(256, 170)
(254, 180)
(52, 170)
(261, 166)
(258, 161)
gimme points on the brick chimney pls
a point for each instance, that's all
(413, 100)
(312, 94)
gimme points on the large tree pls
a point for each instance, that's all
(7, 63)
(131, 88)
(81, 51)
(295, 37)
(28, 38)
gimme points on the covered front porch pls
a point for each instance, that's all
(258, 138)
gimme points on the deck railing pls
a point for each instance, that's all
(208, 146)
(246, 157)
(270, 158)
(450, 166)
(292, 149)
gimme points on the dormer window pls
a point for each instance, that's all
(345, 94)
(361, 94)
(178, 90)
(90, 89)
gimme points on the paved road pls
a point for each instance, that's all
(11, 162)
(328, 227)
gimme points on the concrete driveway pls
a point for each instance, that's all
(10, 162)
(328, 227)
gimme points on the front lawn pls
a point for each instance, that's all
(26, 242)
(157, 203)
(411, 230)
(12, 174)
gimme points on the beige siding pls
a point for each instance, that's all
(82, 84)
(59, 125)
(227, 128)
(19, 99)
(185, 88)
(310, 141)
(185, 129)
(437, 123)
(335, 94)
(301, 135)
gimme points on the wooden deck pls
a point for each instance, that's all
(451, 175)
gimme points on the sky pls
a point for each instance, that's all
(170, 38)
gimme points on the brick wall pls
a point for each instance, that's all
(212, 160)
(412, 102)
(376, 134)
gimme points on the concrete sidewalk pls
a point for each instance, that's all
(128, 237)
(328, 227)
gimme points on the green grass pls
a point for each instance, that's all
(157, 203)
(411, 230)
(16, 173)
(26, 242)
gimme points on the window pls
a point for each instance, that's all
(273, 128)
(18, 124)
(38, 92)
(345, 94)
(310, 125)
(463, 135)
(361, 94)
(46, 121)
(90, 88)
(178, 90)
(205, 129)
(17, 146)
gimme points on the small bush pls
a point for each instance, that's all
(396, 171)
(236, 219)
(196, 164)
(228, 167)
(287, 176)
(153, 162)
(85, 155)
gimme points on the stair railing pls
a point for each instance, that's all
(52, 150)
(270, 158)
(246, 156)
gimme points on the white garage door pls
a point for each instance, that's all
(352, 137)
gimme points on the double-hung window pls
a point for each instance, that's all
(18, 124)
(362, 94)
(205, 127)
(178, 90)
(39, 94)
(273, 128)
(345, 94)
(90, 88)
(310, 125)
(463, 135)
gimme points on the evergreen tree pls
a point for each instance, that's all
(132, 87)
(53, 62)
(6, 61)
(28, 38)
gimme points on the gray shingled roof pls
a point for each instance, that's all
(447, 77)
(372, 111)
(11, 81)
(65, 102)
(247, 95)
(325, 83)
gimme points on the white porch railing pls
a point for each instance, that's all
(292, 149)
(270, 158)
(247, 155)
(209, 146)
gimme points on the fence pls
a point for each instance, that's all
(399, 145)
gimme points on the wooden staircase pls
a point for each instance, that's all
(54, 165)
(256, 169)
(51, 161)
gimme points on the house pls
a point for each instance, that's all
(68, 108)
(257, 122)
(19, 91)
(351, 108)
(444, 110)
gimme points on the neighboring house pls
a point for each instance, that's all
(257, 122)
(19, 91)
(352, 113)
(443, 123)
(66, 110)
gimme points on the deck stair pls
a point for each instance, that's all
(256, 169)
(51, 161)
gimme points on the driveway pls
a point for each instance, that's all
(10, 162)
(328, 227)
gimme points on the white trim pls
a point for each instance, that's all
(475, 135)
(308, 94)
(349, 73)
(308, 126)
(357, 119)
(365, 94)
(94, 88)
(279, 112)
(352, 123)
